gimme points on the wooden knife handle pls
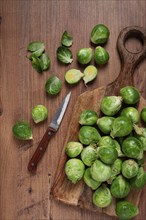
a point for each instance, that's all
(38, 154)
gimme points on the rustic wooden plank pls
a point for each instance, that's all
(24, 196)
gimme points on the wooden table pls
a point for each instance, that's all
(25, 196)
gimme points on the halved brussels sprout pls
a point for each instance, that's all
(131, 113)
(99, 34)
(66, 39)
(22, 130)
(73, 76)
(107, 154)
(102, 197)
(90, 74)
(73, 148)
(120, 187)
(139, 180)
(89, 155)
(130, 95)
(110, 105)
(101, 56)
(132, 148)
(126, 210)
(84, 55)
(143, 114)
(88, 117)
(129, 168)
(88, 135)
(64, 55)
(74, 169)
(53, 85)
(105, 124)
(93, 184)
(39, 113)
(100, 171)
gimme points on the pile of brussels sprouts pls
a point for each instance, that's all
(109, 153)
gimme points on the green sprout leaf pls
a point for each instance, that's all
(45, 61)
(35, 46)
(36, 64)
(64, 55)
(67, 39)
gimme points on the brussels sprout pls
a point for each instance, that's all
(88, 155)
(88, 117)
(105, 124)
(106, 141)
(39, 113)
(131, 113)
(110, 105)
(90, 74)
(36, 64)
(120, 187)
(22, 130)
(88, 135)
(53, 85)
(116, 170)
(102, 197)
(84, 55)
(108, 154)
(132, 148)
(64, 55)
(130, 95)
(143, 141)
(126, 210)
(74, 169)
(139, 130)
(73, 148)
(122, 126)
(143, 114)
(100, 171)
(99, 34)
(93, 184)
(129, 168)
(45, 61)
(101, 56)
(66, 39)
(73, 76)
(139, 180)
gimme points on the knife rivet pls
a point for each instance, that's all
(41, 148)
(32, 164)
(49, 133)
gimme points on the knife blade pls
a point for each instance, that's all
(51, 130)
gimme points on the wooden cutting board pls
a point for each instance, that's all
(79, 194)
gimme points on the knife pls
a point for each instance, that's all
(51, 130)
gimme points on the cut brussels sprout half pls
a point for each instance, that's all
(88, 117)
(99, 34)
(93, 184)
(101, 56)
(90, 74)
(64, 55)
(53, 85)
(73, 148)
(102, 197)
(22, 130)
(73, 76)
(39, 113)
(66, 39)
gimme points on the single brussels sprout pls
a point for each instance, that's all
(45, 61)
(121, 127)
(106, 141)
(132, 148)
(101, 56)
(126, 210)
(129, 168)
(139, 180)
(100, 171)
(88, 117)
(66, 39)
(130, 95)
(39, 113)
(73, 76)
(88, 155)
(84, 55)
(131, 113)
(53, 85)
(93, 184)
(88, 135)
(73, 148)
(99, 34)
(143, 114)
(120, 187)
(110, 105)
(105, 124)
(74, 169)
(90, 74)
(143, 141)
(107, 154)
(116, 170)
(102, 197)
(64, 55)
(22, 130)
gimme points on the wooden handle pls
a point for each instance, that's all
(38, 154)
(129, 60)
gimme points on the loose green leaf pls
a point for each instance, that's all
(36, 64)
(36, 45)
(45, 61)
(64, 55)
(37, 53)
(67, 39)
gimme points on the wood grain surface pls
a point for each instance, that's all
(24, 196)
